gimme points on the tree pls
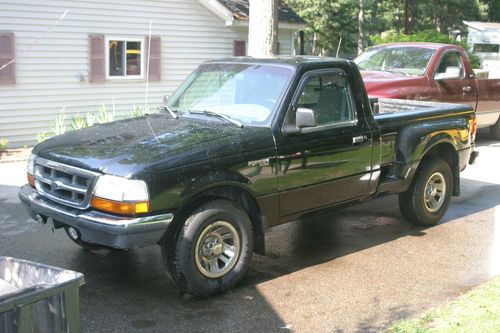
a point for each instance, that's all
(327, 22)
(263, 28)
(361, 27)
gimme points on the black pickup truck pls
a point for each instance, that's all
(244, 145)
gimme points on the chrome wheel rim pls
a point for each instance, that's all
(217, 249)
(435, 192)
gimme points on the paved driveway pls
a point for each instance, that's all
(355, 270)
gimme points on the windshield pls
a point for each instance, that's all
(248, 93)
(403, 60)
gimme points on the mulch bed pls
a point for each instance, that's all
(14, 155)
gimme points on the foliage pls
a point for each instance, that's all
(136, 112)
(78, 122)
(328, 20)
(4, 143)
(429, 36)
(41, 137)
(60, 123)
(105, 116)
(476, 311)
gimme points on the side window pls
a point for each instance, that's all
(451, 64)
(329, 97)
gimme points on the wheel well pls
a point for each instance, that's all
(450, 156)
(231, 193)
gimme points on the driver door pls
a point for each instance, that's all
(451, 81)
(330, 162)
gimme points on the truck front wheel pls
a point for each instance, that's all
(427, 199)
(212, 250)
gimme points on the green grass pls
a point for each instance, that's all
(475, 311)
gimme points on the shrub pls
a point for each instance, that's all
(4, 143)
(137, 111)
(41, 137)
(78, 122)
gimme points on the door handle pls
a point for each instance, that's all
(466, 89)
(359, 139)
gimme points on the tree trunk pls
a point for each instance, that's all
(263, 28)
(314, 50)
(361, 27)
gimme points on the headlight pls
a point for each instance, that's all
(31, 163)
(121, 195)
(30, 169)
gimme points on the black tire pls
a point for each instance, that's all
(426, 209)
(495, 130)
(198, 248)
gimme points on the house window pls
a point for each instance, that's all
(125, 58)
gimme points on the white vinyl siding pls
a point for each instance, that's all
(54, 73)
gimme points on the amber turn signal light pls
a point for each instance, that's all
(124, 208)
(31, 180)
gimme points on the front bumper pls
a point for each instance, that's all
(97, 227)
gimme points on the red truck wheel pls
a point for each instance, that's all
(495, 130)
(427, 199)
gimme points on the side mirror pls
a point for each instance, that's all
(305, 118)
(451, 73)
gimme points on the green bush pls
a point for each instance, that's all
(428, 36)
(41, 137)
(77, 122)
(4, 143)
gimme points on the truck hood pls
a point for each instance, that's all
(386, 84)
(126, 147)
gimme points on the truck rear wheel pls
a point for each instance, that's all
(495, 130)
(427, 199)
(212, 250)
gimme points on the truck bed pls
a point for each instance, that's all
(390, 112)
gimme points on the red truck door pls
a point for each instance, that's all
(453, 78)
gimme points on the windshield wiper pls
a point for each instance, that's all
(216, 114)
(171, 111)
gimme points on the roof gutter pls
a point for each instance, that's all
(219, 10)
(281, 25)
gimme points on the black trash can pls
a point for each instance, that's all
(38, 298)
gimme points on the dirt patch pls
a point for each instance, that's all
(14, 155)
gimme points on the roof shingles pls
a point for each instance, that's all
(240, 10)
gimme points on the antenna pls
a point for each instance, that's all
(147, 67)
(147, 81)
(27, 48)
(338, 47)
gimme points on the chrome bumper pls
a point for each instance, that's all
(97, 227)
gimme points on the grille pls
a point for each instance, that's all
(65, 184)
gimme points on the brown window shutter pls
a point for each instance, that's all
(154, 58)
(239, 48)
(96, 59)
(7, 56)
(278, 48)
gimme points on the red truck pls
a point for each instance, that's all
(431, 72)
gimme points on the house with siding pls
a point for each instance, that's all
(79, 55)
